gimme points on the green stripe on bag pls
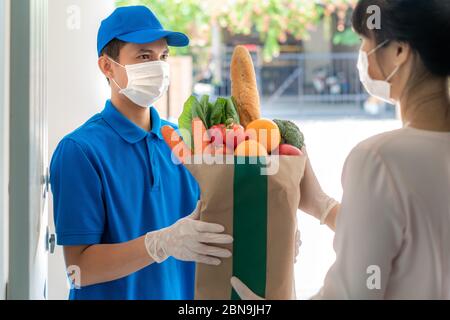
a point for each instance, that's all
(250, 227)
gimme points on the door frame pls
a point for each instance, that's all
(28, 176)
(4, 144)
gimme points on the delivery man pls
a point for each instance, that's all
(122, 208)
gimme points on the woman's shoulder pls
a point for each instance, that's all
(375, 159)
(386, 144)
(381, 141)
(386, 150)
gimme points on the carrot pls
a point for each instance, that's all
(201, 139)
(176, 143)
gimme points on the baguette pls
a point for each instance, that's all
(244, 88)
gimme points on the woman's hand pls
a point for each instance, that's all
(313, 200)
(244, 292)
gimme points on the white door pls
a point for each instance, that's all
(29, 239)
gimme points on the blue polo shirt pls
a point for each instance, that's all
(113, 182)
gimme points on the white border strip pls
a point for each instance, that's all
(4, 143)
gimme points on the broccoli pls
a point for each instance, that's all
(290, 133)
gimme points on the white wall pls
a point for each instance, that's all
(4, 143)
(77, 89)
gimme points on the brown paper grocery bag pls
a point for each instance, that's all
(257, 203)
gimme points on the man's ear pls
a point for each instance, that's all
(403, 51)
(105, 66)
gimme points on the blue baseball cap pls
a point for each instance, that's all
(136, 24)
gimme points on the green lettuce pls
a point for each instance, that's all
(185, 119)
(222, 111)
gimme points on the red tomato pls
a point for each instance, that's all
(213, 150)
(223, 150)
(217, 134)
(234, 136)
(288, 150)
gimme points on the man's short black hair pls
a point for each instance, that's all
(112, 49)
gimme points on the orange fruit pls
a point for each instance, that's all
(266, 132)
(251, 148)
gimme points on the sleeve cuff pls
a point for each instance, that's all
(330, 205)
(78, 239)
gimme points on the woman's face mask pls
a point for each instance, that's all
(147, 82)
(377, 88)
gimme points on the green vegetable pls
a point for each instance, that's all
(231, 112)
(208, 114)
(290, 133)
(218, 112)
(223, 111)
(200, 110)
(204, 100)
(185, 120)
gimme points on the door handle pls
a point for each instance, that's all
(50, 242)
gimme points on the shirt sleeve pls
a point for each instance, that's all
(77, 196)
(369, 231)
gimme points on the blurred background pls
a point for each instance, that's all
(305, 55)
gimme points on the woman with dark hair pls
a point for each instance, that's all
(393, 227)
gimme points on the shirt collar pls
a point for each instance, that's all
(156, 123)
(127, 129)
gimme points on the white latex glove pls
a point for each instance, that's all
(313, 200)
(298, 244)
(186, 241)
(243, 291)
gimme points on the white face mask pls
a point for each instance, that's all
(377, 88)
(147, 82)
